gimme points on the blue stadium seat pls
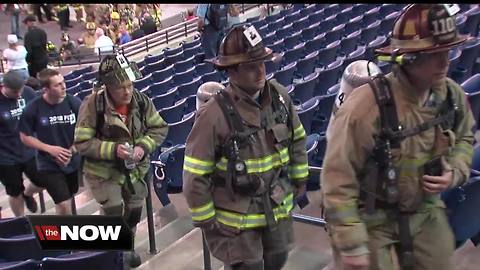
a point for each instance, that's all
(141, 63)
(182, 66)
(386, 25)
(292, 17)
(192, 51)
(348, 44)
(10, 227)
(285, 75)
(82, 94)
(272, 66)
(370, 32)
(165, 100)
(328, 77)
(312, 143)
(304, 90)
(472, 85)
(353, 25)
(213, 76)
(89, 75)
(190, 104)
(306, 112)
(294, 54)
(172, 51)
(374, 44)
(260, 23)
(82, 71)
(315, 44)
(473, 21)
(172, 162)
(269, 39)
(70, 76)
(474, 100)
(74, 89)
(199, 57)
(74, 81)
(467, 60)
(475, 168)
(310, 32)
(326, 25)
(189, 88)
(191, 44)
(86, 84)
(178, 132)
(358, 54)
(273, 26)
(184, 77)
(344, 15)
(460, 21)
(335, 34)
(143, 82)
(331, 9)
(159, 65)
(203, 68)
(323, 113)
(306, 65)
(161, 74)
(359, 9)
(454, 56)
(334, 89)
(371, 16)
(263, 31)
(28, 245)
(272, 18)
(172, 59)
(20, 265)
(316, 17)
(278, 46)
(85, 260)
(283, 32)
(300, 24)
(385, 10)
(158, 88)
(173, 113)
(292, 41)
(328, 54)
(153, 58)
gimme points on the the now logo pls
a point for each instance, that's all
(82, 232)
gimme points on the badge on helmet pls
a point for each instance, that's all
(90, 26)
(116, 69)
(242, 44)
(422, 28)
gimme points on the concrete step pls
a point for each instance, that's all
(306, 259)
(197, 262)
(165, 237)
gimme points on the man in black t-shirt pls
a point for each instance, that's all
(15, 158)
(48, 125)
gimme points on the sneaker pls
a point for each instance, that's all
(30, 203)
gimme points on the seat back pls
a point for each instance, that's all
(85, 260)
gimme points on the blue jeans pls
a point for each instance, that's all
(14, 24)
(210, 41)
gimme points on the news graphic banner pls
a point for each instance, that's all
(81, 232)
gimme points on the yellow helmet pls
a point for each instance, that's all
(115, 16)
(91, 26)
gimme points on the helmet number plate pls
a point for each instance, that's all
(252, 36)
(122, 61)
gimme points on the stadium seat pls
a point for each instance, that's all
(153, 58)
(385, 10)
(86, 84)
(348, 44)
(143, 82)
(23, 248)
(165, 100)
(331, 9)
(304, 90)
(473, 20)
(467, 60)
(178, 132)
(454, 59)
(292, 17)
(358, 54)
(161, 74)
(141, 63)
(300, 24)
(460, 21)
(89, 75)
(74, 89)
(158, 88)
(172, 51)
(278, 46)
(334, 89)
(475, 168)
(269, 39)
(323, 113)
(189, 88)
(387, 22)
(190, 104)
(370, 32)
(172, 59)
(310, 32)
(204, 68)
(173, 113)
(273, 26)
(74, 81)
(172, 162)
(213, 76)
(156, 66)
(374, 44)
(294, 54)
(371, 16)
(292, 41)
(359, 9)
(264, 30)
(472, 85)
(184, 77)
(327, 24)
(85, 260)
(353, 25)
(285, 75)
(84, 93)
(82, 71)
(306, 65)
(10, 227)
(474, 100)
(272, 66)
(335, 34)
(191, 44)
(328, 54)
(316, 17)
(272, 18)
(306, 112)
(192, 51)
(315, 44)
(328, 77)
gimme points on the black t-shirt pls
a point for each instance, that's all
(54, 125)
(12, 150)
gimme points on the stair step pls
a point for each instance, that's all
(306, 259)
(197, 262)
(165, 237)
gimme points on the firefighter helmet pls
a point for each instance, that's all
(206, 91)
(114, 15)
(116, 69)
(242, 44)
(422, 28)
(90, 26)
(65, 36)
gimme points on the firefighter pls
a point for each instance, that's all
(245, 160)
(113, 28)
(89, 35)
(395, 145)
(117, 130)
(68, 47)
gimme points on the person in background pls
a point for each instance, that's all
(103, 44)
(16, 57)
(68, 47)
(149, 26)
(89, 35)
(47, 8)
(14, 11)
(48, 125)
(36, 44)
(190, 15)
(212, 21)
(137, 31)
(63, 13)
(124, 35)
(15, 157)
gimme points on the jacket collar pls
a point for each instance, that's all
(248, 108)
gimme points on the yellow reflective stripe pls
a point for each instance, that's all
(342, 214)
(249, 221)
(203, 212)
(155, 120)
(298, 171)
(83, 134)
(96, 168)
(148, 142)
(197, 166)
(298, 133)
(463, 151)
(106, 150)
(260, 165)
